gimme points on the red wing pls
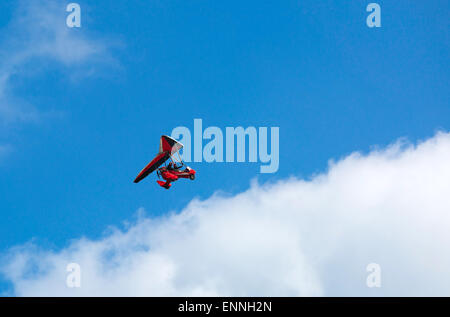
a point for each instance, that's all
(167, 147)
(153, 165)
(167, 144)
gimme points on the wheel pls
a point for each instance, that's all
(192, 177)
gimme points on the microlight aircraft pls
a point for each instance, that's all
(166, 165)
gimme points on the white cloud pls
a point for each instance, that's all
(37, 38)
(295, 237)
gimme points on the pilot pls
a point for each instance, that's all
(173, 166)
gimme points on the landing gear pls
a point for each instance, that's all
(166, 185)
(192, 177)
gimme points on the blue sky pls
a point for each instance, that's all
(312, 68)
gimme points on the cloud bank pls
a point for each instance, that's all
(295, 237)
